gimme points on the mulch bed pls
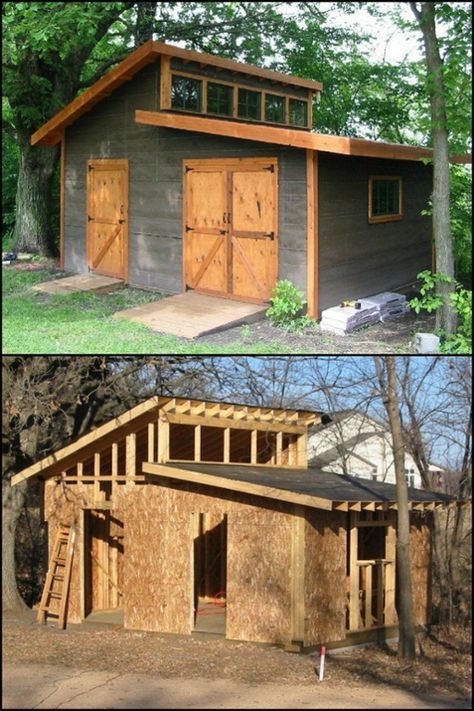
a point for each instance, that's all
(443, 664)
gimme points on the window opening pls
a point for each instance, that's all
(250, 104)
(220, 99)
(298, 112)
(212, 444)
(385, 199)
(186, 93)
(274, 108)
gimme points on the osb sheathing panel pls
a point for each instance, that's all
(420, 557)
(325, 576)
(158, 572)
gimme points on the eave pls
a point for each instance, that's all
(343, 145)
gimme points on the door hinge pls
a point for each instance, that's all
(89, 218)
(271, 168)
(187, 169)
(121, 222)
(90, 167)
(188, 229)
(270, 235)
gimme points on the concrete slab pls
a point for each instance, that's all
(191, 315)
(79, 282)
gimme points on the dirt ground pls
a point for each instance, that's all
(369, 677)
(395, 336)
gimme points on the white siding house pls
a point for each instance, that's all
(352, 443)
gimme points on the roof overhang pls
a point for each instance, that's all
(179, 472)
(295, 138)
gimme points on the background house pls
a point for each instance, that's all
(350, 442)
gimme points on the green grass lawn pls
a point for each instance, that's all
(34, 322)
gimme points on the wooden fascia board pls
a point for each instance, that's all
(49, 134)
(236, 485)
(232, 65)
(342, 145)
(105, 429)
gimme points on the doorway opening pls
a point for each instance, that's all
(210, 573)
(103, 565)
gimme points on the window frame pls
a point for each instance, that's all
(375, 219)
(202, 95)
(236, 86)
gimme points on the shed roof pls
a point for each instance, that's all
(51, 132)
(309, 487)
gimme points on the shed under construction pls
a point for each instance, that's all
(181, 508)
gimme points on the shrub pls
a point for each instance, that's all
(461, 341)
(287, 306)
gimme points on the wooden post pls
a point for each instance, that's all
(354, 608)
(62, 202)
(227, 445)
(163, 440)
(312, 185)
(390, 612)
(297, 576)
(197, 443)
(130, 458)
(165, 82)
(253, 447)
(96, 477)
(368, 595)
(151, 442)
(302, 450)
(279, 447)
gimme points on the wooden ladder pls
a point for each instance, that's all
(56, 586)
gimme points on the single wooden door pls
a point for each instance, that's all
(231, 227)
(254, 232)
(205, 233)
(107, 217)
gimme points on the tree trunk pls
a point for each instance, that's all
(35, 179)
(12, 503)
(388, 387)
(146, 13)
(446, 317)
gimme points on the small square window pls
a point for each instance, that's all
(220, 99)
(298, 112)
(385, 199)
(250, 104)
(186, 93)
(274, 108)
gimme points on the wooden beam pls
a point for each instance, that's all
(312, 257)
(236, 485)
(216, 421)
(197, 443)
(343, 145)
(297, 575)
(253, 447)
(163, 439)
(226, 445)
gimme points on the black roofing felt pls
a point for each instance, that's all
(311, 481)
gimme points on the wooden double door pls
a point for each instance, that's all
(231, 227)
(107, 217)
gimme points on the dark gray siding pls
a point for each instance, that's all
(357, 258)
(156, 185)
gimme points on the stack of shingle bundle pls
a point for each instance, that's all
(388, 304)
(344, 319)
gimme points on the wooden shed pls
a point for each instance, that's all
(187, 171)
(204, 516)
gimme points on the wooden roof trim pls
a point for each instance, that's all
(82, 442)
(343, 145)
(242, 67)
(50, 133)
(236, 485)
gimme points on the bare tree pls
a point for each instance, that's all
(387, 376)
